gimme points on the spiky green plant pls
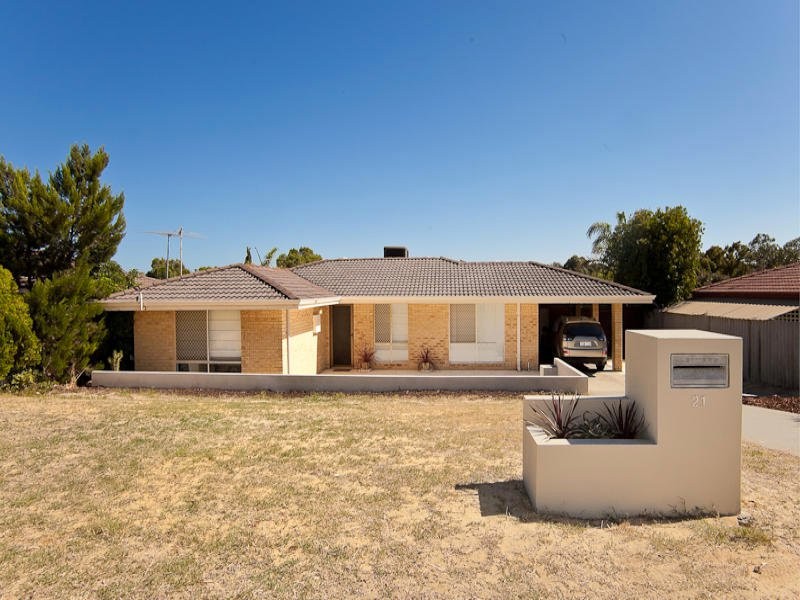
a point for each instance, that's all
(623, 423)
(557, 419)
(592, 428)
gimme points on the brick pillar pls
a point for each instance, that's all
(530, 336)
(510, 336)
(616, 328)
(596, 312)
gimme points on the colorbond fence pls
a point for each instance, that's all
(770, 348)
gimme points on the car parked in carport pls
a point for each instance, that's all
(579, 341)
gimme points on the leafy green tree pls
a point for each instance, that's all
(587, 266)
(719, 263)
(19, 348)
(297, 256)
(791, 251)
(657, 251)
(110, 277)
(737, 259)
(765, 253)
(65, 319)
(47, 227)
(158, 268)
(248, 258)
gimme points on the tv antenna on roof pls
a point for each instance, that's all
(180, 234)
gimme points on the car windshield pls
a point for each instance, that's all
(584, 330)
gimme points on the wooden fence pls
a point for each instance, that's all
(770, 348)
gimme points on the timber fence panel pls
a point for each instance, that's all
(771, 349)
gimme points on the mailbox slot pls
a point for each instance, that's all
(699, 370)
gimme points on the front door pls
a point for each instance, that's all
(341, 331)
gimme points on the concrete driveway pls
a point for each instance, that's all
(773, 429)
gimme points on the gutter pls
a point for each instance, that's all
(138, 304)
(644, 299)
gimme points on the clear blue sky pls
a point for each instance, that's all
(477, 130)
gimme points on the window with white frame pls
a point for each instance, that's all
(391, 332)
(477, 333)
(208, 341)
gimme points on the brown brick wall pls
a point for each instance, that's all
(510, 351)
(262, 336)
(154, 340)
(529, 348)
(429, 325)
(363, 330)
(324, 340)
(616, 344)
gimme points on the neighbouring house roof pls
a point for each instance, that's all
(732, 310)
(384, 278)
(239, 286)
(780, 283)
(143, 281)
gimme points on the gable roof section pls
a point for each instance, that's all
(241, 286)
(783, 282)
(444, 278)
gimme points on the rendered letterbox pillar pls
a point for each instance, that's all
(689, 385)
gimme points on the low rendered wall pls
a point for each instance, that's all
(337, 383)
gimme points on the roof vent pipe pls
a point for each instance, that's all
(395, 252)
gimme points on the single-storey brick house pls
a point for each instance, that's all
(471, 315)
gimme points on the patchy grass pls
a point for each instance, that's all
(120, 494)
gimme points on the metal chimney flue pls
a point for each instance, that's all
(395, 252)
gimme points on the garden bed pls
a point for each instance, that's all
(784, 403)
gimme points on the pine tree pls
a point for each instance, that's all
(65, 321)
(47, 227)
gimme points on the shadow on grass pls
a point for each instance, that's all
(509, 498)
(503, 498)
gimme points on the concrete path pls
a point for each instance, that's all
(771, 428)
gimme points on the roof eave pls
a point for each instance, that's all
(238, 304)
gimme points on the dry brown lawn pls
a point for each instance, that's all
(145, 494)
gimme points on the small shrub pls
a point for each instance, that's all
(116, 360)
(558, 418)
(23, 380)
(29, 381)
(425, 357)
(367, 355)
(593, 428)
(622, 423)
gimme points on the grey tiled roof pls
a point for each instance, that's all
(235, 282)
(446, 277)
